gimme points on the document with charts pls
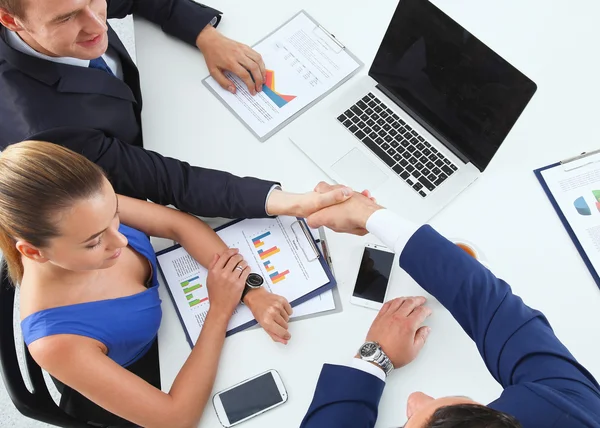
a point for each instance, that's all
(303, 63)
(281, 249)
(573, 187)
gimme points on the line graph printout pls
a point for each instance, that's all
(302, 63)
(271, 248)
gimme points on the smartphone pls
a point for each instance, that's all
(249, 398)
(373, 277)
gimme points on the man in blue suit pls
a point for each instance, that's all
(66, 78)
(544, 386)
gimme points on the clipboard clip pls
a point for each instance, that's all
(327, 37)
(311, 253)
(579, 161)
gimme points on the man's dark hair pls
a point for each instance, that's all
(14, 7)
(470, 416)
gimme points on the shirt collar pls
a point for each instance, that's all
(15, 42)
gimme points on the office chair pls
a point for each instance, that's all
(74, 410)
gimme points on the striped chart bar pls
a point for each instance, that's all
(268, 253)
(276, 276)
(268, 266)
(198, 301)
(192, 288)
(186, 283)
(258, 240)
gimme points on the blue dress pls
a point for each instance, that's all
(127, 326)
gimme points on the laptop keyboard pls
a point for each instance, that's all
(396, 143)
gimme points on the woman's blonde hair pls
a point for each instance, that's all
(37, 181)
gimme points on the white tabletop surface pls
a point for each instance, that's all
(505, 213)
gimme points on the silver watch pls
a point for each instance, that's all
(372, 352)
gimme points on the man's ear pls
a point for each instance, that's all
(10, 21)
(30, 251)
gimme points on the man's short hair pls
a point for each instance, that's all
(14, 7)
(470, 416)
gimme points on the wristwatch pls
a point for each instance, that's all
(372, 352)
(253, 282)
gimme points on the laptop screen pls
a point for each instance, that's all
(449, 81)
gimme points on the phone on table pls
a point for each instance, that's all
(249, 398)
(373, 277)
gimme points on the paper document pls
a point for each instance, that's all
(303, 63)
(575, 188)
(276, 248)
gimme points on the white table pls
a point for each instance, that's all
(505, 212)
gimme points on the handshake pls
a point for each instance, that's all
(335, 206)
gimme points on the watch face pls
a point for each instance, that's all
(368, 349)
(254, 280)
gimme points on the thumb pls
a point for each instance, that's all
(421, 337)
(315, 220)
(222, 80)
(214, 261)
(334, 197)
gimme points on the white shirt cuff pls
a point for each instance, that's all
(275, 187)
(367, 367)
(391, 229)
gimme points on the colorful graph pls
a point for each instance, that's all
(582, 206)
(265, 256)
(269, 90)
(189, 286)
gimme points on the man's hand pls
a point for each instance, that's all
(303, 205)
(397, 329)
(222, 54)
(349, 217)
(272, 312)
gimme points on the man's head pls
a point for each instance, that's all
(424, 411)
(59, 28)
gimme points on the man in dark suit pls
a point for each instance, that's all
(544, 385)
(65, 77)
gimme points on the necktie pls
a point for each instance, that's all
(100, 64)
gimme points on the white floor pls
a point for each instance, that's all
(9, 416)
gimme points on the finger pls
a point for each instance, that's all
(421, 337)
(225, 256)
(214, 261)
(333, 197)
(222, 80)
(279, 331)
(254, 70)
(419, 315)
(281, 321)
(385, 308)
(323, 187)
(366, 193)
(315, 220)
(233, 262)
(277, 338)
(257, 58)
(243, 74)
(241, 266)
(244, 275)
(287, 307)
(410, 304)
(395, 304)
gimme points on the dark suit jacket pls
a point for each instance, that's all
(544, 385)
(99, 116)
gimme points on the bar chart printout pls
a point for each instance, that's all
(192, 288)
(266, 255)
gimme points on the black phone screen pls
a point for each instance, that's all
(250, 398)
(373, 275)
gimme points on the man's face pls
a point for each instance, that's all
(421, 407)
(71, 28)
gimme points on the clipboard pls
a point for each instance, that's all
(311, 252)
(331, 41)
(570, 164)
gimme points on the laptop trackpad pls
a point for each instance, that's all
(358, 172)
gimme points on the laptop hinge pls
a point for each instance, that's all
(449, 145)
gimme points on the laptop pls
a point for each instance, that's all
(427, 120)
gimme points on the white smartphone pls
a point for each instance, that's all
(373, 277)
(249, 398)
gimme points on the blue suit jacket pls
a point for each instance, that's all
(99, 116)
(544, 386)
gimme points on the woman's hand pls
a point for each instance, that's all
(272, 312)
(303, 205)
(226, 280)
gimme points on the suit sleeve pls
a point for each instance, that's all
(183, 19)
(145, 174)
(344, 397)
(515, 341)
